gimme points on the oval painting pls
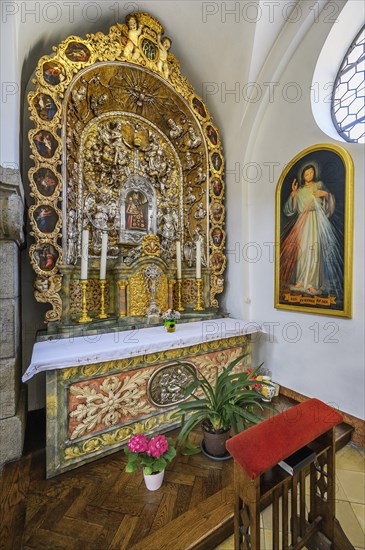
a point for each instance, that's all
(217, 236)
(199, 107)
(212, 135)
(217, 261)
(53, 73)
(217, 186)
(216, 161)
(45, 106)
(45, 143)
(45, 256)
(46, 218)
(217, 212)
(77, 52)
(46, 181)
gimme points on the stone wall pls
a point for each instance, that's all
(12, 394)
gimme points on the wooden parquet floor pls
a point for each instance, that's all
(98, 506)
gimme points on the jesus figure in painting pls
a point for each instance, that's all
(311, 259)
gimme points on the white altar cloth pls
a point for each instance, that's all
(89, 349)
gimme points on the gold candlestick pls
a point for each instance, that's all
(102, 314)
(199, 301)
(179, 302)
(84, 316)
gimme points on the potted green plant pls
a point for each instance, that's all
(230, 402)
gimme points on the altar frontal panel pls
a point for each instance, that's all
(93, 410)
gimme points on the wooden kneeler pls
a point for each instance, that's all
(259, 481)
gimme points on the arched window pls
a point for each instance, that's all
(348, 96)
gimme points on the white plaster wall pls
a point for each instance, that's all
(318, 356)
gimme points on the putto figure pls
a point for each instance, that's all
(131, 51)
(162, 65)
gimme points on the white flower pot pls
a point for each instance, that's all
(153, 481)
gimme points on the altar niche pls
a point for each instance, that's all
(124, 142)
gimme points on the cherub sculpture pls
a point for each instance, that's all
(131, 50)
(162, 65)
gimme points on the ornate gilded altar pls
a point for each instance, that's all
(123, 146)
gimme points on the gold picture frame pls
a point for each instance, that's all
(314, 232)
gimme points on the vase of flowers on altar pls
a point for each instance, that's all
(169, 319)
(152, 455)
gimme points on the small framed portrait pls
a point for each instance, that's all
(45, 256)
(217, 186)
(53, 73)
(212, 135)
(46, 218)
(198, 107)
(314, 232)
(218, 262)
(217, 235)
(217, 161)
(46, 144)
(77, 52)
(46, 181)
(45, 106)
(217, 210)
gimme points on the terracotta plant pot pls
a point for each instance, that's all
(215, 443)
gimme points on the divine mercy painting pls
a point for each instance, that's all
(313, 263)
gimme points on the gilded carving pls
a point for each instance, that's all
(116, 437)
(156, 155)
(166, 385)
(104, 405)
(189, 291)
(47, 291)
(92, 296)
(139, 296)
(104, 400)
(151, 246)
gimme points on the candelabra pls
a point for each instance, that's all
(199, 301)
(179, 301)
(84, 316)
(102, 314)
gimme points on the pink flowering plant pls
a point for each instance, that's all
(152, 455)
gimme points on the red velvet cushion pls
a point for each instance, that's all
(262, 446)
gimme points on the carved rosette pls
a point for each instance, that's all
(76, 85)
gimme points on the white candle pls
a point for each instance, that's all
(178, 259)
(198, 259)
(104, 253)
(84, 253)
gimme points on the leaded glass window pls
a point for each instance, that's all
(348, 97)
